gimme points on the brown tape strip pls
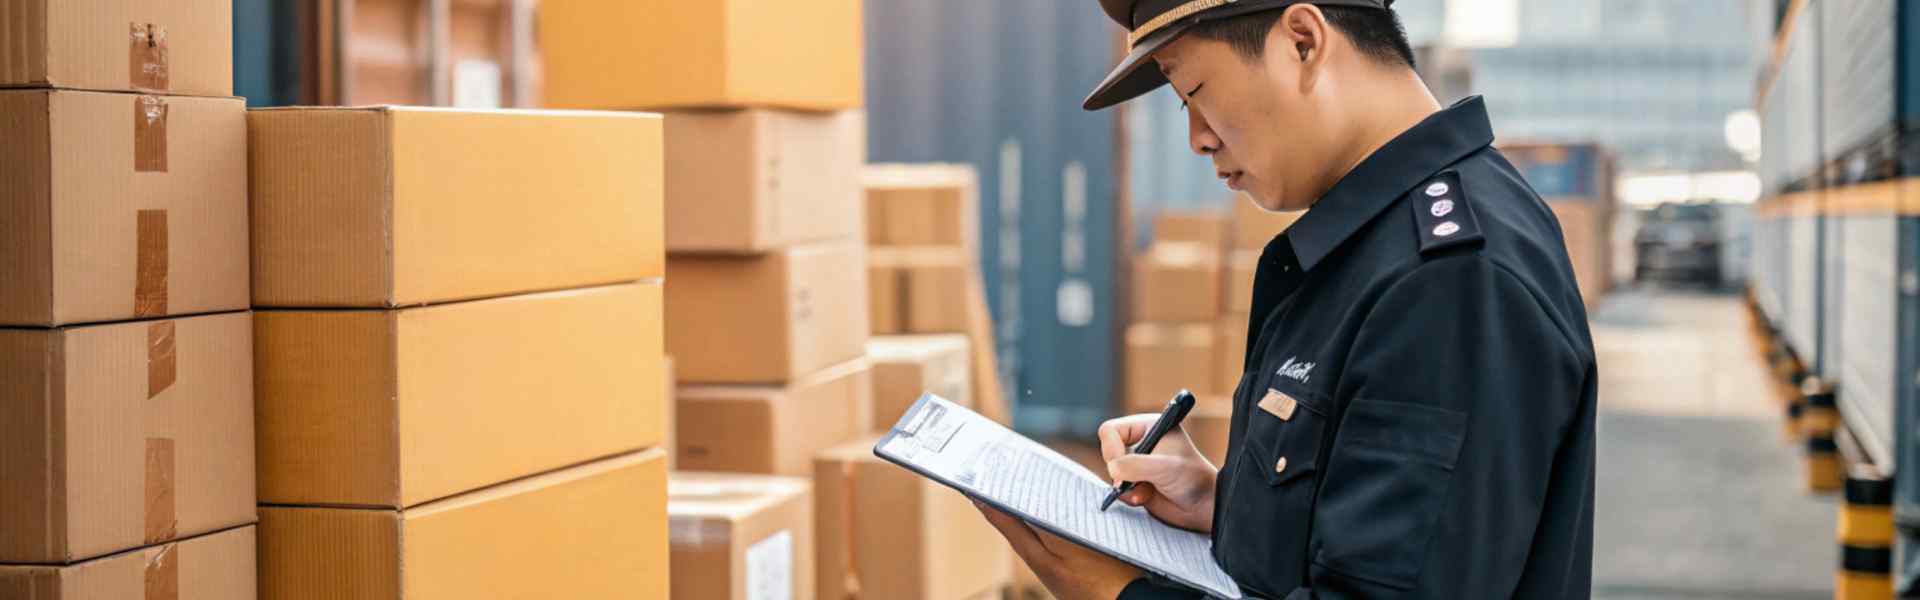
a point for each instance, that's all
(150, 265)
(161, 524)
(149, 134)
(161, 367)
(163, 574)
(147, 57)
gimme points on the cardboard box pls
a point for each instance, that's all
(769, 318)
(1176, 282)
(1588, 229)
(180, 47)
(117, 206)
(904, 367)
(772, 430)
(1207, 426)
(1231, 352)
(119, 436)
(1241, 267)
(392, 206)
(1253, 226)
(919, 289)
(1164, 358)
(218, 566)
(740, 537)
(922, 205)
(399, 407)
(1208, 228)
(597, 530)
(728, 53)
(886, 532)
(748, 181)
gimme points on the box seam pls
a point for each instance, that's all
(57, 517)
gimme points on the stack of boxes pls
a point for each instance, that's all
(459, 363)
(126, 382)
(1193, 290)
(767, 311)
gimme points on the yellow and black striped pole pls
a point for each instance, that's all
(1819, 419)
(1866, 541)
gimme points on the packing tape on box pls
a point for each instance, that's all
(147, 57)
(696, 532)
(163, 574)
(150, 134)
(161, 524)
(150, 264)
(162, 368)
(850, 555)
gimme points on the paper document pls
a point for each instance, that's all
(988, 462)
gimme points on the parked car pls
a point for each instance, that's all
(1679, 242)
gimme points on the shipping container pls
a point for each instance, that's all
(997, 84)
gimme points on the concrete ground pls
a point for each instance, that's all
(1699, 495)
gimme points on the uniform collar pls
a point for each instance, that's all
(1441, 139)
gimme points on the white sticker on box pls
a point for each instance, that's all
(476, 84)
(770, 568)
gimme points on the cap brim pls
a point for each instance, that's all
(1129, 80)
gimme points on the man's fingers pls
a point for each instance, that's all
(1118, 435)
(1141, 494)
(1018, 534)
(1142, 467)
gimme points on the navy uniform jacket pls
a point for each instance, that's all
(1416, 419)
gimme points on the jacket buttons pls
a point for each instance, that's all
(1280, 467)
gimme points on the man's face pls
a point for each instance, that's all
(1265, 131)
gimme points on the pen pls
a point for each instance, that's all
(1170, 418)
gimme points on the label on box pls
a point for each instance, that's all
(476, 84)
(770, 568)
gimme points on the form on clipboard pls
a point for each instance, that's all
(959, 448)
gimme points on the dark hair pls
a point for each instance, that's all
(1377, 33)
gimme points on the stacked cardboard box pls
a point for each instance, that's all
(1193, 290)
(889, 533)
(768, 313)
(923, 235)
(126, 414)
(459, 363)
(741, 537)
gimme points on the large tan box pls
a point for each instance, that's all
(886, 532)
(747, 181)
(904, 367)
(922, 205)
(1176, 282)
(726, 53)
(118, 206)
(1208, 228)
(177, 47)
(1253, 226)
(740, 537)
(398, 407)
(1164, 358)
(1231, 352)
(919, 289)
(392, 206)
(1587, 226)
(597, 530)
(217, 566)
(772, 430)
(1241, 267)
(118, 436)
(769, 318)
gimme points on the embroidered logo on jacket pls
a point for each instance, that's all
(1297, 371)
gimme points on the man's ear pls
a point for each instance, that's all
(1302, 32)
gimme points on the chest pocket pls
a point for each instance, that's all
(1267, 513)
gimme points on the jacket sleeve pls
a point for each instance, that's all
(1460, 387)
(1144, 589)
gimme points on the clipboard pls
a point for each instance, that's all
(991, 464)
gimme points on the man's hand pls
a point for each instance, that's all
(1174, 482)
(1070, 571)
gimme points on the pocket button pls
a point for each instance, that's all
(1280, 467)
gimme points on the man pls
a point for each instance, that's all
(1416, 417)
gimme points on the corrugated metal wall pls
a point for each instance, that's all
(998, 84)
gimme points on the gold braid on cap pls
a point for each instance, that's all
(1166, 18)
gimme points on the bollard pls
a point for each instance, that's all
(1819, 414)
(1825, 471)
(1865, 533)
